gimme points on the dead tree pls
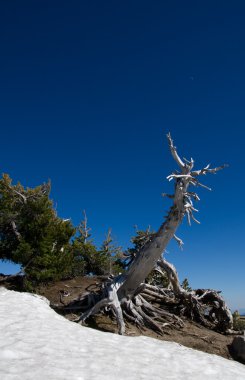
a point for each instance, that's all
(146, 305)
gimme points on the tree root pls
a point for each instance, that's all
(157, 308)
(137, 310)
(110, 300)
(144, 314)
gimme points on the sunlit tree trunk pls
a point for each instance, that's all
(128, 294)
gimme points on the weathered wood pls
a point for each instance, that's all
(182, 205)
(129, 295)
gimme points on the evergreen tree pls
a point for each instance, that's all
(185, 285)
(31, 233)
(87, 259)
(90, 260)
(111, 256)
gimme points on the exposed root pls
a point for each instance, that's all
(159, 308)
(205, 306)
(110, 300)
(137, 310)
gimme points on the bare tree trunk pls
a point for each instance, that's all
(182, 204)
(129, 295)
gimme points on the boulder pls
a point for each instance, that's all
(238, 348)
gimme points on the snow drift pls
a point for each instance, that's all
(36, 343)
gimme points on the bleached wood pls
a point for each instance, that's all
(132, 293)
(174, 152)
(208, 170)
(110, 301)
(179, 241)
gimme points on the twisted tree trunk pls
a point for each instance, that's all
(128, 294)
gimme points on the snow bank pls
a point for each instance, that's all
(36, 343)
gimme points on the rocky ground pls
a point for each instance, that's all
(62, 293)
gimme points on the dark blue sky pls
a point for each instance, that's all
(88, 91)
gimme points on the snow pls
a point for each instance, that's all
(36, 343)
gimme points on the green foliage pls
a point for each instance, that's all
(238, 322)
(185, 285)
(90, 260)
(111, 256)
(78, 264)
(31, 234)
(86, 258)
(157, 278)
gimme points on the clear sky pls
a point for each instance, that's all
(88, 91)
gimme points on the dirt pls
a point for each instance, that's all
(192, 335)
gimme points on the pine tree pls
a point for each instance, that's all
(185, 285)
(31, 233)
(86, 256)
(111, 256)
(90, 260)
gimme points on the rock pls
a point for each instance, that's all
(238, 348)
